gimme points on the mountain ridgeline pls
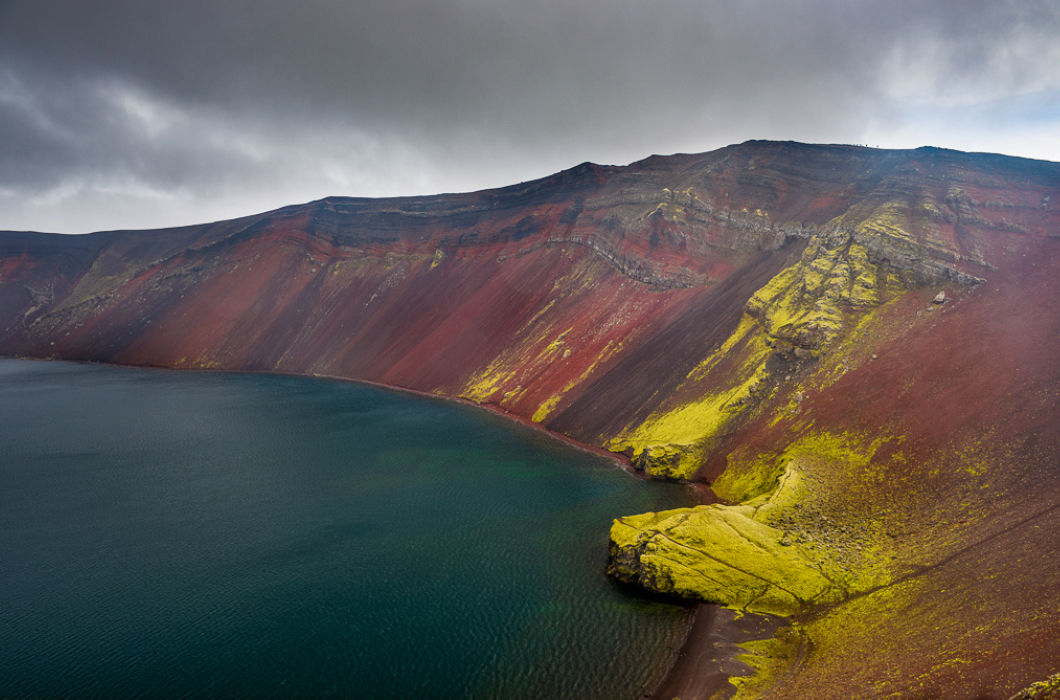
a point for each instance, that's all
(857, 349)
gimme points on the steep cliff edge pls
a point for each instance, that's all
(856, 347)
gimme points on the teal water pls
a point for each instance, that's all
(171, 534)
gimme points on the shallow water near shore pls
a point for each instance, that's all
(172, 534)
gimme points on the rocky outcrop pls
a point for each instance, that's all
(767, 554)
(1049, 689)
(719, 554)
(788, 323)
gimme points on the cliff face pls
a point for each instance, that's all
(856, 347)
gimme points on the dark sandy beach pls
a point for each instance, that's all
(709, 655)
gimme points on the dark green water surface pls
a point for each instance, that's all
(169, 534)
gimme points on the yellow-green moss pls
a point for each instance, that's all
(683, 431)
(508, 369)
(829, 634)
(769, 660)
(721, 554)
(751, 479)
(439, 256)
(889, 219)
(546, 407)
(803, 306)
(745, 331)
(557, 344)
(766, 554)
(791, 488)
(772, 290)
(694, 421)
(1042, 690)
(549, 404)
(852, 450)
(797, 315)
(487, 382)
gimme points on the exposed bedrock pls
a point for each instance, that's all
(787, 324)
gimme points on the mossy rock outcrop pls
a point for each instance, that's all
(1049, 689)
(720, 554)
(758, 555)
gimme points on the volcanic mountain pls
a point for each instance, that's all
(856, 348)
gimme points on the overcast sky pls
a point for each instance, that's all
(148, 113)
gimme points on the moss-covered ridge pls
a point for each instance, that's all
(867, 256)
(1042, 690)
(787, 324)
(929, 460)
(762, 554)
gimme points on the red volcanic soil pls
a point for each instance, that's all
(970, 487)
(584, 300)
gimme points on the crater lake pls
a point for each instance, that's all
(184, 534)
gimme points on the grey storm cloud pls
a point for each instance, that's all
(145, 113)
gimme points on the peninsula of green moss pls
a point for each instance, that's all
(764, 554)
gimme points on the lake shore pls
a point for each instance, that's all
(708, 655)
